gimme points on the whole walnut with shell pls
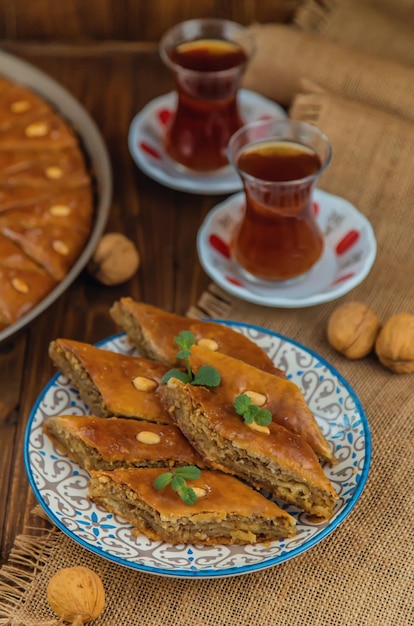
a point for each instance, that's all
(115, 260)
(354, 330)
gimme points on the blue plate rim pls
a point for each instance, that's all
(234, 571)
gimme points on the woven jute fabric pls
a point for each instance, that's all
(364, 27)
(363, 573)
(285, 55)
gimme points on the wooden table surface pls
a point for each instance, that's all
(113, 82)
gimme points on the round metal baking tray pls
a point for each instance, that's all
(94, 145)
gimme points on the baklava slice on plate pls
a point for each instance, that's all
(98, 443)
(226, 510)
(268, 457)
(153, 331)
(280, 396)
(112, 384)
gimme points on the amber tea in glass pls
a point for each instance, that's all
(279, 162)
(208, 58)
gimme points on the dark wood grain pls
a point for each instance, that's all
(134, 20)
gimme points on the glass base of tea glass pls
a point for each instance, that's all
(261, 282)
(188, 171)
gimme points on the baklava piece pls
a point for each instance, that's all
(267, 457)
(280, 396)
(112, 384)
(46, 199)
(98, 443)
(152, 331)
(23, 284)
(226, 510)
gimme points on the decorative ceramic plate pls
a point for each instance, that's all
(28, 75)
(349, 253)
(146, 145)
(61, 485)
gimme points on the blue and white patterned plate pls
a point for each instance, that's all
(61, 485)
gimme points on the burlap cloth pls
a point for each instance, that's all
(377, 30)
(363, 573)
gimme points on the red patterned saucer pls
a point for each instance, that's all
(350, 250)
(146, 145)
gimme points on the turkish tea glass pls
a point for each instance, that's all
(208, 58)
(279, 162)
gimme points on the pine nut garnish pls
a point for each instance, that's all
(60, 210)
(19, 285)
(54, 172)
(146, 436)
(103, 479)
(259, 399)
(141, 383)
(60, 247)
(20, 106)
(260, 429)
(200, 492)
(210, 344)
(37, 129)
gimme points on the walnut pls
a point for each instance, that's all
(395, 343)
(76, 594)
(115, 260)
(352, 329)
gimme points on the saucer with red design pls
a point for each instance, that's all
(146, 145)
(349, 253)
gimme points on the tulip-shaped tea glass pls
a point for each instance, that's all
(279, 161)
(208, 58)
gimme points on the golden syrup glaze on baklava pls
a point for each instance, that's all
(281, 396)
(115, 377)
(224, 494)
(159, 328)
(43, 173)
(119, 440)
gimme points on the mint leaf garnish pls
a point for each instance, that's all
(177, 478)
(163, 480)
(207, 376)
(264, 417)
(189, 472)
(185, 340)
(242, 404)
(251, 412)
(188, 496)
(178, 483)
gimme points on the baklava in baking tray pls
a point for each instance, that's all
(55, 191)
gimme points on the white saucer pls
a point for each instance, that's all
(146, 144)
(350, 249)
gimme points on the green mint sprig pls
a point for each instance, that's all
(207, 375)
(177, 478)
(251, 412)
